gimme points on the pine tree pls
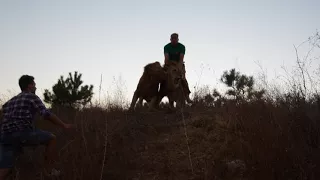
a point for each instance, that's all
(242, 86)
(69, 92)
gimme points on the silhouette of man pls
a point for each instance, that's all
(175, 51)
(17, 129)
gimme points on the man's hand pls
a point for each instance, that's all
(69, 126)
(55, 120)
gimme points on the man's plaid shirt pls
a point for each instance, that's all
(18, 112)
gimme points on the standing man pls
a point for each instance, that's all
(175, 51)
(17, 129)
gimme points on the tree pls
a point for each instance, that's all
(241, 85)
(68, 93)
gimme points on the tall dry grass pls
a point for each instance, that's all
(274, 139)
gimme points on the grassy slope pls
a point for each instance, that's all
(273, 142)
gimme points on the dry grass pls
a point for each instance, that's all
(274, 138)
(274, 141)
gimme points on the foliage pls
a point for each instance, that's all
(241, 86)
(69, 92)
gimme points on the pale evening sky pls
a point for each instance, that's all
(47, 39)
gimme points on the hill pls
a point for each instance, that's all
(247, 140)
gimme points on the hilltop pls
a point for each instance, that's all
(250, 140)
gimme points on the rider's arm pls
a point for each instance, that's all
(166, 54)
(183, 51)
(181, 57)
(166, 58)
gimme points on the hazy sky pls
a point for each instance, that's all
(47, 39)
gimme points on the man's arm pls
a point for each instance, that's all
(183, 51)
(166, 55)
(166, 58)
(37, 103)
(181, 58)
(55, 120)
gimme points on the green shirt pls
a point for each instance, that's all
(174, 51)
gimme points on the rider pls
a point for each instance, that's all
(17, 129)
(174, 51)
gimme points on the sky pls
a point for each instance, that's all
(116, 39)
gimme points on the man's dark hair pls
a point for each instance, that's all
(174, 35)
(24, 81)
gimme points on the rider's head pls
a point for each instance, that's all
(174, 38)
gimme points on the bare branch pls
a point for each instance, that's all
(302, 73)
